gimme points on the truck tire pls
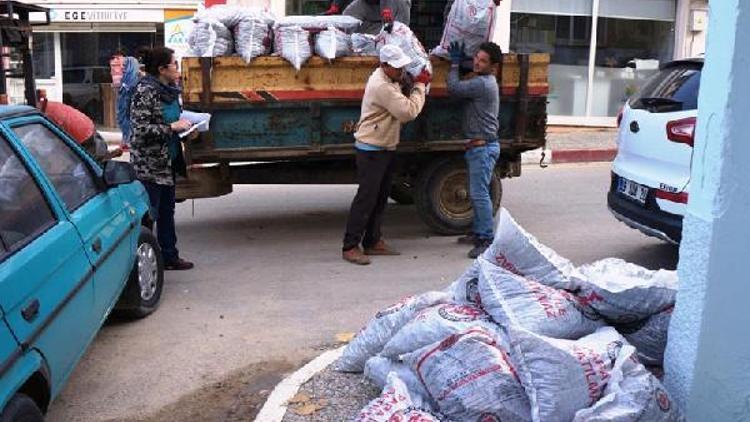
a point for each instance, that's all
(143, 291)
(21, 408)
(402, 193)
(442, 196)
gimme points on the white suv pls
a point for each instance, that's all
(651, 173)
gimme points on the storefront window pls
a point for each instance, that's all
(87, 83)
(633, 38)
(628, 52)
(43, 55)
(567, 40)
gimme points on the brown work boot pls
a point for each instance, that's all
(380, 248)
(355, 256)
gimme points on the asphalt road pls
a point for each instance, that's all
(270, 290)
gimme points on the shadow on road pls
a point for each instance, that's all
(654, 256)
(238, 397)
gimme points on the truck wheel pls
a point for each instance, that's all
(442, 196)
(143, 291)
(21, 408)
(402, 193)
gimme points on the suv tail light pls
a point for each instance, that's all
(619, 115)
(682, 131)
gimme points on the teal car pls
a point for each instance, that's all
(76, 243)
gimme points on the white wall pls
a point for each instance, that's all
(501, 32)
(278, 7)
(689, 43)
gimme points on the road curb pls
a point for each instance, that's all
(275, 406)
(583, 155)
(561, 156)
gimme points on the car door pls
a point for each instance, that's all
(46, 286)
(9, 347)
(106, 225)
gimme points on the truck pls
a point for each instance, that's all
(273, 125)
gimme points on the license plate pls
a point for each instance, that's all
(632, 190)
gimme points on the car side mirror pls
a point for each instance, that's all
(118, 173)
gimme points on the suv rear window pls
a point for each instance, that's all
(674, 88)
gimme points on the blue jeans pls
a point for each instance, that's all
(162, 199)
(481, 164)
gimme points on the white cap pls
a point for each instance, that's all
(394, 56)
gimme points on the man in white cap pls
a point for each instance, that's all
(384, 109)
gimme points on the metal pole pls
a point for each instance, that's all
(592, 56)
(3, 80)
(28, 70)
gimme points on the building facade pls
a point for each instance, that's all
(601, 51)
(72, 54)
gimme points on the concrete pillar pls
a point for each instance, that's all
(707, 362)
(501, 32)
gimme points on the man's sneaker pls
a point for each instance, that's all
(355, 256)
(479, 248)
(469, 239)
(179, 265)
(381, 248)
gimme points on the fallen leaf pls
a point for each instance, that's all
(344, 337)
(307, 409)
(299, 398)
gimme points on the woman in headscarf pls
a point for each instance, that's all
(131, 74)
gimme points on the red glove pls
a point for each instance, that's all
(387, 14)
(333, 10)
(424, 77)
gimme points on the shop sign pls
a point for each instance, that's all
(105, 15)
(177, 27)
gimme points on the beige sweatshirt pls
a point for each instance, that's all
(385, 109)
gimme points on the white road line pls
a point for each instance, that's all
(275, 407)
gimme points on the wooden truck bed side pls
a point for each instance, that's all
(266, 110)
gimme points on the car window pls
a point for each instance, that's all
(672, 89)
(69, 173)
(24, 211)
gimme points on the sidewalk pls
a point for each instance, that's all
(574, 144)
(564, 145)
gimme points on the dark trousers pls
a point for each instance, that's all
(162, 199)
(374, 175)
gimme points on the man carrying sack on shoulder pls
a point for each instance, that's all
(384, 110)
(480, 126)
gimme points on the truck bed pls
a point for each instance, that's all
(268, 111)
